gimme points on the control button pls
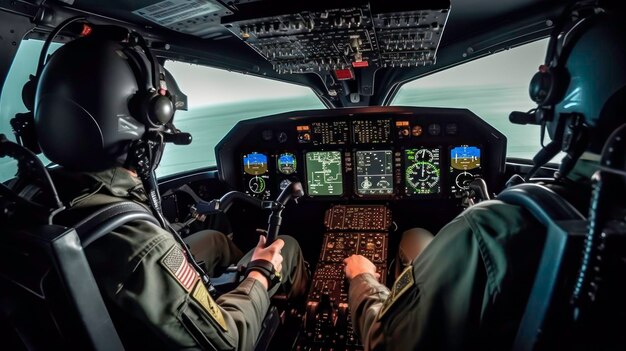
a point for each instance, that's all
(282, 137)
(452, 129)
(416, 130)
(434, 129)
(267, 135)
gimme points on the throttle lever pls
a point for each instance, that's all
(293, 191)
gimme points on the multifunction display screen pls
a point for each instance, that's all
(374, 172)
(324, 174)
(464, 166)
(371, 131)
(422, 171)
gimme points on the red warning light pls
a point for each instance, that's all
(344, 74)
(359, 64)
(86, 30)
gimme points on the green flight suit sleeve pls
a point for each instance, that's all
(454, 280)
(366, 298)
(137, 266)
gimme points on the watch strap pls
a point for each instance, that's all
(267, 269)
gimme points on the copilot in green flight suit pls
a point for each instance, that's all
(474, 276)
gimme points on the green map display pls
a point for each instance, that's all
(324, 176)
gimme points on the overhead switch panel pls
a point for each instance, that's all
(347, 38)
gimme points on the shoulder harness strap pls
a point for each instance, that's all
(109, 217)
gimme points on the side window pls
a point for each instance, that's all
(219, 99)
(491, 87)
(24, 64)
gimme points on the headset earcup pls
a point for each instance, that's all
(161, 109)
(560, 82)
(541, 87)
(28, 93)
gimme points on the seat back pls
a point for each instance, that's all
(49, 296)
(577, 300)
(48, 293)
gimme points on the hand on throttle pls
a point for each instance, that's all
(357, 264)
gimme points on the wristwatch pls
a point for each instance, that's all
(267, 269)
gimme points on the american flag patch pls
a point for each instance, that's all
(177, 265)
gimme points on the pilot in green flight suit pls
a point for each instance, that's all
(155, 296)
(142, 272)
(469, 285)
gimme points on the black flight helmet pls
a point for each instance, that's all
(98, 94)
(594, 66)
(581, 88)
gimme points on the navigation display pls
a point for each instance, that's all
(324, 173)
(422, 171)
(371, 131)
(464, 166)
(374, 172)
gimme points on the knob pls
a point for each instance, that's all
(342, 319)
(311, 311)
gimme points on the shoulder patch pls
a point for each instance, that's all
(176, 264)
(400, 286)
(202, 296)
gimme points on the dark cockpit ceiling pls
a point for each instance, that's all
(472, 29)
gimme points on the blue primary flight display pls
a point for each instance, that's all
(255, 163)
(465, 166)
(465, 157)
(287, 163)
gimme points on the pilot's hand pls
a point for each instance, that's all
(357, 264)
(271, 254)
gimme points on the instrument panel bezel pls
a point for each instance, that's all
(247, 136)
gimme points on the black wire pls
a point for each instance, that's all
(152, 189)
(53, 34)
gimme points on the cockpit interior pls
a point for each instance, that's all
(340, 123)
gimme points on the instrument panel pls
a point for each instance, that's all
(365, 153)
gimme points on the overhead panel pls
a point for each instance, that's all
(195, 17)
(344, 38)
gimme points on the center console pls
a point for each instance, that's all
(360, 230)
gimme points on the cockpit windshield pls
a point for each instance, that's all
(491, 87)
(219, 99)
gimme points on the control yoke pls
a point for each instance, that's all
(292, 191)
